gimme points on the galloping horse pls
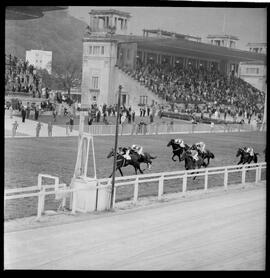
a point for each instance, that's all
(190, 163)
(123, 162)
(205, 155)
(246, 157)
(145, 158)
(177, 150)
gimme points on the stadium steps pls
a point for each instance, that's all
(136, 89)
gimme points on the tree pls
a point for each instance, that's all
(69, 73)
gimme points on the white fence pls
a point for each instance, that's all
(160, 128)
(61, 191)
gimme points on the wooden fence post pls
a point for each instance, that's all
(74, 202)
(41, 199)
(136, 190)
(206, 180)
(226, 178)
(243, 174)
(184, 183)
(160, 186)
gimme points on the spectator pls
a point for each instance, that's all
(28, 110)
(212, 127)
(23, 114)
(50, 126)
(14, 128)
(10, 112)
(38, 128)
(71, 122)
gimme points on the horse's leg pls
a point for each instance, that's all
(173, 157)
(120, 171)
(140, 169)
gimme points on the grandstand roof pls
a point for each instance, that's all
(167, 33)
(109, 12)
(191, 48)
(29, 12)
(223, 36)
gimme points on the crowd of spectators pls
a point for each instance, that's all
(20, 76)
(177, 84)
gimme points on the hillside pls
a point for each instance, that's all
(57, 31)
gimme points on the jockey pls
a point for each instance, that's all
(194, 154)
(201, 146)
(124, 152)
(180, 142)
(138, 149)
(249, 150)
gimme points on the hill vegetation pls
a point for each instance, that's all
(57, 31)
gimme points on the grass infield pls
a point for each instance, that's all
(25, 158)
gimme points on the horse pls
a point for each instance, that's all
(123, 162)
(145, 158)
(190, 163)
(205, 155)
(246, 157)
(177, 149)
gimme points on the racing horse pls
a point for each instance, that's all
(246, 157)
(190, 163)
(205, 155)
(145, 158)
(123, 162)
(177, 150)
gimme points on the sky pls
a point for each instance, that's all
(248, 24)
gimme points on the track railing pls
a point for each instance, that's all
(61, 191)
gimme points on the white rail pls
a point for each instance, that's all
(61, 191)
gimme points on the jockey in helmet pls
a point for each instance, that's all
(124, 152)
(194, 154)
(201, 146)
(180, 142)
(138, 149)
(249, 150)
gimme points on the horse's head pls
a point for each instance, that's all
(111, 153)
(239, 152)
(170, 143)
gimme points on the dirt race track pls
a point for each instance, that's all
(221, 232)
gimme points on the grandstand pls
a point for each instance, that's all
(161, 68)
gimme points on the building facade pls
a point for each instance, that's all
(40, 59)
(110, 51)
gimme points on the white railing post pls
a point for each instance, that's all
(226, 178)
(243, 174)
(74, 202)
(41, 199)
(206, 180)
(260, 172)
(160, 186)
(136, 190)
(184, 183)
(257, 174)
(114, 193)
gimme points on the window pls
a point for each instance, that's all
(143, 99)
(252, 70)
(96, 50)
(102, 50)
(90, 49)
(95, 84)
(128, 54)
